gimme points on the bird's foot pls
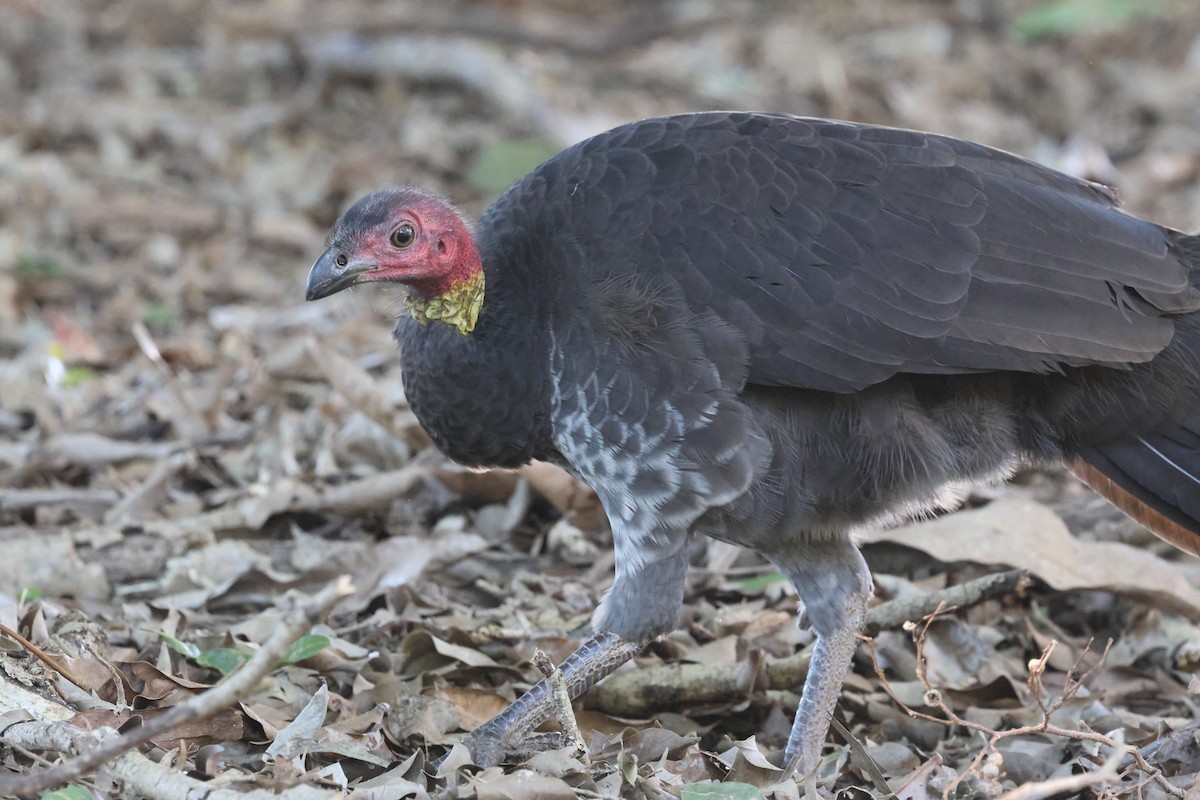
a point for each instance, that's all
(510, 733)
(490, 753)
(487, 747)
(490, 747)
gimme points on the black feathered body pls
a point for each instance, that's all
(773, 330)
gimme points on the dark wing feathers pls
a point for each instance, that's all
(846, 253)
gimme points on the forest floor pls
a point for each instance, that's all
(190, 454)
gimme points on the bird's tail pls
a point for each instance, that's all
(1155, 478)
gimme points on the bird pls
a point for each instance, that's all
(778, 331)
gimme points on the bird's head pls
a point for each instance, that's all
(410, 237)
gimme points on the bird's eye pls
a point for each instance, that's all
(403, 236)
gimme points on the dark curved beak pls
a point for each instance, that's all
(328, 277)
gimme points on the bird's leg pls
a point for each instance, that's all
(826, 671)
(643, 603)
(833, 581)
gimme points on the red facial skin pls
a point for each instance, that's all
(441, 255)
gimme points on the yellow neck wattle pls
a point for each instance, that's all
(459, 306)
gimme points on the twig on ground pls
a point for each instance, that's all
(373, 491)
(50, 661)
(545, 30)
(139, 776)
(895, 613)
(19, 499)
(1108, 772)
(297, 621)
(649, 690)
(642, 692)
(148, 493)
(934, 697)
(198, 423)
(366, 394)
(564, 715)
(93, 450)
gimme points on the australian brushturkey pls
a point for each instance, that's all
(772, 331)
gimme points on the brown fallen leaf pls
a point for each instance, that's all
(431, 719)
(523, 784)
(1027, 535)
(151, 683)
(94, 674)
(475, 706)
(572, 497)
(420, 646)
(271, 718)
(224, 726)
(478, 485)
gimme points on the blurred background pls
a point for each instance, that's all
(175, 422)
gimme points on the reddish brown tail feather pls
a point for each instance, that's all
(1154, 479)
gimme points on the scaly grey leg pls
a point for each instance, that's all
(643, 604)
(833, 581)
(822, 688)
(503, 733)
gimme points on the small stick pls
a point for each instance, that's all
(894, 613)
(149, 348)
(43, 656)
(1106, 774)
(564, 715)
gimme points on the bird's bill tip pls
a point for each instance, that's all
(328, 276)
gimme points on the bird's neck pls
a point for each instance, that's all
(455, 296)
(457, 306)
(486, 398)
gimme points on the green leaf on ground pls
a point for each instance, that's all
(186, 649)
(223, 659)
(1074, 16)
(760, 582)
(304, 647)
(38, 268)
(72, 792)
(721, 791)
(504, 163)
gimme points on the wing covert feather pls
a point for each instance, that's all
(847, 253)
